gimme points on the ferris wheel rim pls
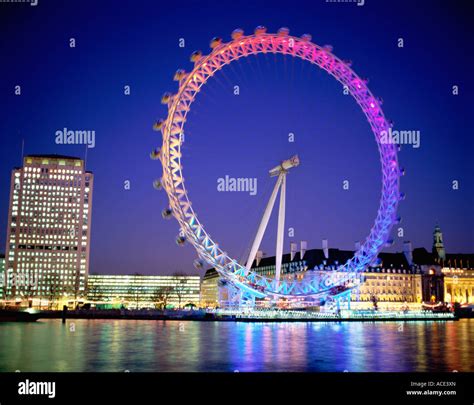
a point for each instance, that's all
(179, 105)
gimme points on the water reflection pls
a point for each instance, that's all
(118, 345)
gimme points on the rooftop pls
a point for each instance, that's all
(53, 156)
(337, 257)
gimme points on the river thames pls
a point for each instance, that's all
(129, 345)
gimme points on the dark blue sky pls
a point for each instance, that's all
(135, 43)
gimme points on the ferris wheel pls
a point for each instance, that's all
(241, 276)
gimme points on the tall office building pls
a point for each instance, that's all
(2, 275)
(48, 232)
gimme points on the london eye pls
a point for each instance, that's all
(249, 283)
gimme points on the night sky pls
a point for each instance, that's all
(136, 43)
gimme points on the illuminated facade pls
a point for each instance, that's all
(48, 232)
(384, 285)
(456, 271)
(458, 285)
(394, 281)
(210, 290)
(2, 275)
(391, 285)
(140, 291)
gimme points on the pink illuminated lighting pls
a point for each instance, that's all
(173, 183)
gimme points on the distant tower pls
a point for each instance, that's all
(438, 246)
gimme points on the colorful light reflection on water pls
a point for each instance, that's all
(119, 345)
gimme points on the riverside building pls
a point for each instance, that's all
(2, 275)
(143, 291)
(449, 277)
(392, 283)
(48, 232)
(395, 280)
(459, 282)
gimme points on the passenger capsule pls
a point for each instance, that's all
(155, 154)
(195, 56)
(402, 196)
(306, 37)
(261, 29)
(237, 33)
(198, 264)
(377, 262)
(402, 171)
(158, 125)
(157, 184)
(180, 240)
(167, 213)
(328, 48)
(166, 98)
(283, 32)
(347, 62)
(215, 42)
(180, 73)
